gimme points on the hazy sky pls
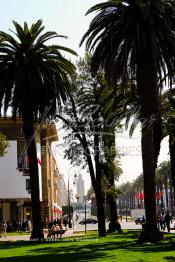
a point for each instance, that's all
(67, 17)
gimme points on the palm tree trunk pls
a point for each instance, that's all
(158, 136)
(34, 178)
(159, 196)
(96, 184)
(166, 194)
(100, 208)
(157, 193)
(99, 190)
(110, 153)
(111, 200)
(171, 197)
(100, 212)
(133, 200)
(148, 95)
(149, 179)
(113, 212)
(161, 189)
(172, 160)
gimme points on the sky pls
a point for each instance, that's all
(67, 17)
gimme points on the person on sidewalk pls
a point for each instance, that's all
(65, 221)
(1, 229)
(4, 226)
(167, 220)
(162, 221)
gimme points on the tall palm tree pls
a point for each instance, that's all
(89, 101)
(34, 77)
(168, 113)
(111, 167)
(95, 94)
(164, 173)
(135, 40)
(159, 190)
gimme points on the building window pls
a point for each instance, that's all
(28, 186)
(23, 162)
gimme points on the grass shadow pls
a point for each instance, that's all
(170, 258)
(86, 250)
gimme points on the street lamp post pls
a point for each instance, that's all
(77, 196)
(85, 200)
(92, 197)
(69, 207)
(69, 204)
(19, 205)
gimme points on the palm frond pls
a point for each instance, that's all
(29, 68)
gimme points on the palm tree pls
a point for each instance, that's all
(95, 94)
(138, 187)
(34, 77)
(168, 113)
(159, 190)
(4, 144)
(125, 195)
(164, 173)
(134, 40)
(111, 166)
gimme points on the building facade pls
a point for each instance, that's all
(64, 192)
(15, 198)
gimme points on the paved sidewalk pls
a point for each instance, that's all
(17, 237)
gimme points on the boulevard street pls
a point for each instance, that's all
(124, 225)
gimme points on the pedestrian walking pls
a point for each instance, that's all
(168, 219)
(65, 221)
(162, 221)
(23, 225)
(158, 221)
(29, 226)
(4, 226)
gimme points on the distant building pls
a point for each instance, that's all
(80, 188)
(64, 192)
(15, 178)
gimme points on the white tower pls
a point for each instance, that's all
(80, 188)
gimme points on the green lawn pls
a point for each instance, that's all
(115, 247)
(18, 233)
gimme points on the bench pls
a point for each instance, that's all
(56, 233)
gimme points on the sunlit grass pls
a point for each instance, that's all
(115, 247)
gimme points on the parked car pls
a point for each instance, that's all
(89, 220)
(140, 220)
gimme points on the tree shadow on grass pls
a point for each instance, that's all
(163, 246)
(170, 258)
(87, 251)
(60, 253)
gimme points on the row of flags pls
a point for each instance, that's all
(140, 195)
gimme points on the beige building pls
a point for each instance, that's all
(15, 198)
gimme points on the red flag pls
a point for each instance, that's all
(158, 195)
(141, 196)
(39, 162)
(161, 194)
(136, 196)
